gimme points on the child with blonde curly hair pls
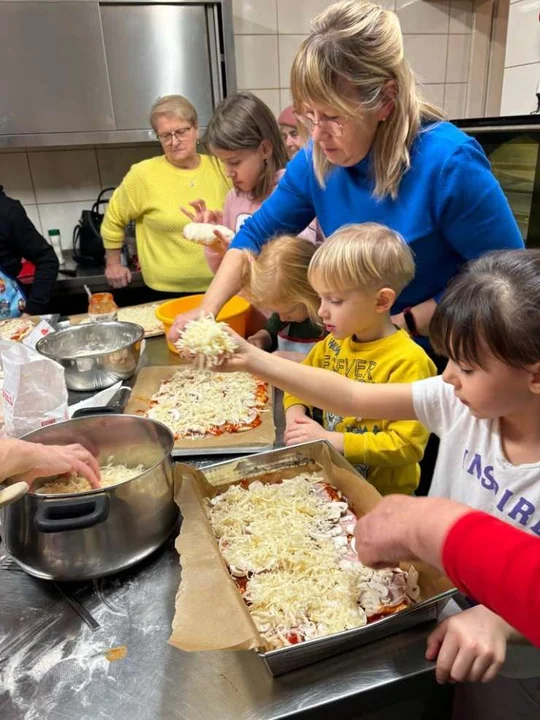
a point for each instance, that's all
(276, 280)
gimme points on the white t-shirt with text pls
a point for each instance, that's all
(471, 466)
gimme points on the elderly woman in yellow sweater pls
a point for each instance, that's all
(151, 194)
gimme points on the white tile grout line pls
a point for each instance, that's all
(101, 185)
(304, 35)
(446, 69)
(31, 180)
(35, 193)
(536, 62)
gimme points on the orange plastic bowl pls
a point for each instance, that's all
(235, 313)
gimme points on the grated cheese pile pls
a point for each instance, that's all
(110, 475)
(194, 403)
(206, 340)
(145, 316)
(15, 329)
(291, 543)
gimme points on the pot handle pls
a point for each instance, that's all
(62, 515)
(99, 410)
(115, 405)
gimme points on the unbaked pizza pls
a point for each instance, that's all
(143, 315)
(288, 548)
(196, 403)
(15, 328)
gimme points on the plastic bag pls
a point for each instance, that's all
(42, 328)
(34, 393)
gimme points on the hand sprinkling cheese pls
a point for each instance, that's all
(206, 341)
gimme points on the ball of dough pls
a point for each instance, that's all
(203, 233)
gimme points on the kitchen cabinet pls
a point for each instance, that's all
(79, 71)
(156, 50)
(54, 74)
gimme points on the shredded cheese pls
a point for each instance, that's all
(194, 403)
(110, 475)
(207, 341)
(288, 545)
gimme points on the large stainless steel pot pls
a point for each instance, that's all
(95, 355)
(87, 535)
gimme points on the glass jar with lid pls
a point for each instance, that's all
(102, 308)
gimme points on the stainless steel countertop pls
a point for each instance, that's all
(53, 638)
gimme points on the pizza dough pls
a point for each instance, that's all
(203, 233)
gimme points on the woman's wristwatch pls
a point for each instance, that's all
(410, 322)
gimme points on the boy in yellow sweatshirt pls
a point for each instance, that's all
(357, 273)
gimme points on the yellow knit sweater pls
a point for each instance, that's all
(152, 193)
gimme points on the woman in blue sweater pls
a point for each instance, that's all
(380, 153)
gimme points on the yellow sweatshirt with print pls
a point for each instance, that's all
(152, 193)
(385, 452)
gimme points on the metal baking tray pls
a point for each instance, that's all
(296, 656)
(238, 450)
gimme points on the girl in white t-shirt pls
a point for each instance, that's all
(486, 410)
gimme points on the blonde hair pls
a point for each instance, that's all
(363, 257)
(176, 105)
(358, 44)
(242, 122)
(278, 276)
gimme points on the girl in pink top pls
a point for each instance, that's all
(245, 136)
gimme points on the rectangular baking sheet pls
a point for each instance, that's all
(202, 624)
(260, 438)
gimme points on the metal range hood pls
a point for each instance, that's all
(82, 72)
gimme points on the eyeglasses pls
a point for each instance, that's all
(332, 127)
(167, 138)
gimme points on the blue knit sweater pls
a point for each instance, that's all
(450, 207)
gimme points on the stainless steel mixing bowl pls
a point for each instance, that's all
(95, 355)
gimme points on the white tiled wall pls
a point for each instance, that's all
(522, 61)
(55, 185)
(437, 43)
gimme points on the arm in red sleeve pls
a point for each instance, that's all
(499, 566)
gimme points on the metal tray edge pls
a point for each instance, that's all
(383, 622)
(195, 452)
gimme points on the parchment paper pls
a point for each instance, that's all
(210, 613)
(149, 381)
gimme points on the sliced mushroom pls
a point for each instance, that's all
(238, 571)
